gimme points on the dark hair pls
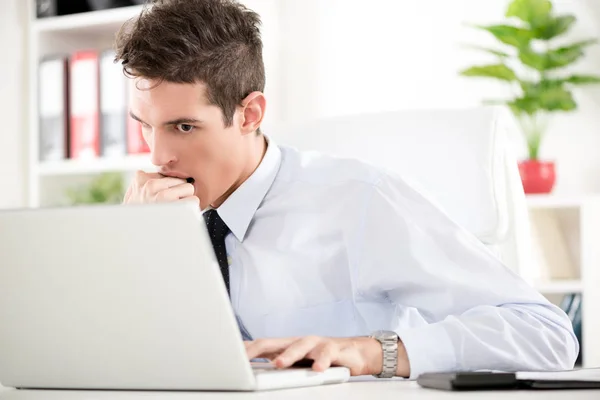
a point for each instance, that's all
(216, 42)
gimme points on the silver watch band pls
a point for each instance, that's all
(389, 345)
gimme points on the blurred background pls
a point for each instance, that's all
(324, 58)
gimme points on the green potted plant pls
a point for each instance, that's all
(107, 188)
(533, 66)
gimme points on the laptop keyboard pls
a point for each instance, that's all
(265, 367)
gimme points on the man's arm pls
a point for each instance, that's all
(362, 355)
(479, 314)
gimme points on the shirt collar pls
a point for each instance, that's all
(239, 208)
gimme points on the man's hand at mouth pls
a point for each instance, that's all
(157, 188)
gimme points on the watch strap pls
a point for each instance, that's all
(389, 346)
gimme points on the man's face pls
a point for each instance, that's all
(187, 136)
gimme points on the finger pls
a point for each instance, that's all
(265, 348)
(191, 199)
(141, 177)
(127, 195)
(153, 186)
(176, 192)
(324, 355)
(297, 351)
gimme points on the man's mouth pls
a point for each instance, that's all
(180, 176)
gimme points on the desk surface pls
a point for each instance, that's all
(396, 390)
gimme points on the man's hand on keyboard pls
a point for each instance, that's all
(362, 355)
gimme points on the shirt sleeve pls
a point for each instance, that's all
(479, 314)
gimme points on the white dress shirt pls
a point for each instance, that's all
(336, 247)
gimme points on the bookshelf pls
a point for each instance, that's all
(565, 232)
(67, 168)
(559, 287)
(48, 181)
(538, 201)
(88, 23)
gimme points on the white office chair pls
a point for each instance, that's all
(459, 158)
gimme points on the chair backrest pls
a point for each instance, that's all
(459, 158)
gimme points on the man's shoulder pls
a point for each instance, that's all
(321, 168)
(344, 175)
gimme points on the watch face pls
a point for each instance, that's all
(386, 335)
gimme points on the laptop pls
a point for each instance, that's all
(123, 297)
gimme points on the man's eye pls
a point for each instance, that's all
(185, 128)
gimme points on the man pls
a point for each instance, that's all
(319, 254)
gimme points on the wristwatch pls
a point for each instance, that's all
(389, 344)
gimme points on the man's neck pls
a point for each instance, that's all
(258, 153)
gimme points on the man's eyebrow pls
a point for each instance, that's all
(172, 122)
(183, 121)
(132, 115)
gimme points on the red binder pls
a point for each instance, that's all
(84, 105)
(135, 140)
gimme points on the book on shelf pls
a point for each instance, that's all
(53, 97)
(135, 139)
(82, 108)
(113, 107)
(84, 105)
(53, 8)
(572, 304)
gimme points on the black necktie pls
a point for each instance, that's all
(217, 229)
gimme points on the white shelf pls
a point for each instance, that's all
(559, 287)
(553, 201)
(91, 22)
(93, 166)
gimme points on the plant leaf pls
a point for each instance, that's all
(555, 27)
(552, 59)
(549, 95)
(584, 43)
(106, 188)
(557, 99)
(510, 35)
(492, 102)
(525, 105)
(495, 52)
(526, 86)
(583, 79)
(514, 109)
(533, 59)
(535, 90)
(533, 12)
(566, 55)
(498, 71)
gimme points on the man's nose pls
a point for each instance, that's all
(162, 152)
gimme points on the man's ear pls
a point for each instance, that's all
(252, 112)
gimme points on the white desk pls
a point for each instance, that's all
(394, 390)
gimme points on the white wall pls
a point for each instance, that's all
(269, 11)
(13, 90)
(345, 56)
(395, 54)
(574, 139)
(352, 56)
